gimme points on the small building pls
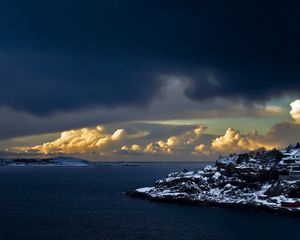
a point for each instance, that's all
(291, 157)
(294, 175)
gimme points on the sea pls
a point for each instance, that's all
(87, 203)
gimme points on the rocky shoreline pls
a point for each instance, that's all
(238, 181)
(193, 202)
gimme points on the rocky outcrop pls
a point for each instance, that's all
(291, 189)
(232, 182)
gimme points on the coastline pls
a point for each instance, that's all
(193, 202)
(237, 181)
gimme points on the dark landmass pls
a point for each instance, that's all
(55, 161)
(256, 180)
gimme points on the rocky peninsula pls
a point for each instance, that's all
(256, 180)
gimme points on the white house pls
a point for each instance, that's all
(293, 156)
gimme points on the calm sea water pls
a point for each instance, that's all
(87, 204)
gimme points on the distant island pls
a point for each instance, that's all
(55, 161)
(263, 180)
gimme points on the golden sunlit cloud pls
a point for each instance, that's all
(174, 142)
(234, 141)
(295, 112)
(159, 147)
(98, 140)
(166, 146)
(80, 141)
(133, 149)
(200, 149)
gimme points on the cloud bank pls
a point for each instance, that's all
(190, 142)
(168, 146)
(82, 141)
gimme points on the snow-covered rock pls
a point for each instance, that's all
(248, 184)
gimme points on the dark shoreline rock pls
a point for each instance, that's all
(190, 202)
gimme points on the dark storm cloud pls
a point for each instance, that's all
(65, 55)
(284, 133)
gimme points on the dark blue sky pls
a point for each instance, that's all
(58, 56)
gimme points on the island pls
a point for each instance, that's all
(44, 162)
(261, 180)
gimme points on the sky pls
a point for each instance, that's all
(148, 80)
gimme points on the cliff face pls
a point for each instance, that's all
(232, 182)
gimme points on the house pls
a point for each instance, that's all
(293, 175)
(291, 157)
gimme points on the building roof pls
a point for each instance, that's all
(295, 152)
